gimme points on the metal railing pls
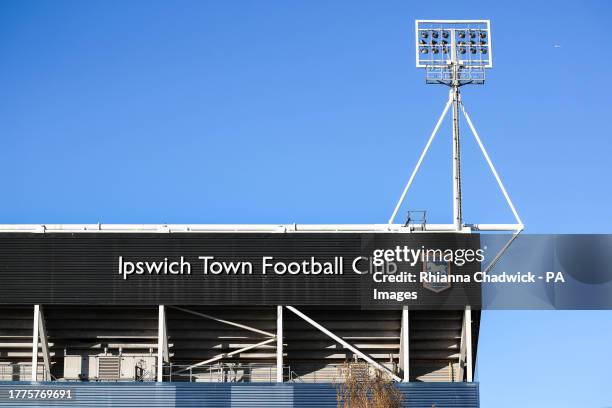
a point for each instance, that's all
(444, 75)
(141, 373)
(416, 218)
(224, 372)
(330, 373)
(22, 372)
(259, 372)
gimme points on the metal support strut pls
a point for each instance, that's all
(163, 356)
(420, 161)
(469, 364)
(346, 344)
(279, 344)
(405, 345)
(35, 342)
(40, 334)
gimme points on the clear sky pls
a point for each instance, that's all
(313, 112)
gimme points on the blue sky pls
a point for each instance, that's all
(313, 112)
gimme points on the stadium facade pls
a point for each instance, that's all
(119, 348)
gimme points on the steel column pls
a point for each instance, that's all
(162, 343)
(405, 344)
(468, 344)
(44, 344)
(279, 344)
(35, 326)
(457, 213)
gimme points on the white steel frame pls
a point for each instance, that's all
(466, 364)
(405, 344)
(163, 355)
(467, 319)
(39, 334)
(278, 338)
(279, 344)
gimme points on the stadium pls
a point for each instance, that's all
(89, 332)
(253, 315)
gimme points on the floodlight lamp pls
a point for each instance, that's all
(453, 52)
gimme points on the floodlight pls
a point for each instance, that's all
(464, 57)
(458, 51)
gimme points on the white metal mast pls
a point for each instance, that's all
(456, 53)
(457, 213)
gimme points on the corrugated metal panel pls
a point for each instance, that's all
(82, 269)
(134, 395)
(444, 395)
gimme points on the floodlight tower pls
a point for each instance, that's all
(456, 53)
